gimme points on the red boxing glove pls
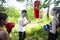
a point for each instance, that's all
(9, 26)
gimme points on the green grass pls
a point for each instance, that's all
(34, 31)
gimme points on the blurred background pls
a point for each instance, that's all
(34, 30)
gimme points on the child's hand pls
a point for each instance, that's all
(29, 22)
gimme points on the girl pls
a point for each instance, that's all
(3, 21)
(55, 23)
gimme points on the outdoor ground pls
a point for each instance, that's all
(34, 31)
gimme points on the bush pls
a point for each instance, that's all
(30, 14)
(12, 12)
(2, 9)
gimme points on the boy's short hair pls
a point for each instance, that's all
(24, 11)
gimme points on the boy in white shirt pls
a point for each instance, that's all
(22, 22)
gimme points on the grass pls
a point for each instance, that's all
(34, 31)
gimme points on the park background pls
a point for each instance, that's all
(34, 30)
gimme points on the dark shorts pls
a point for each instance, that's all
(22, 35)
(52, 36)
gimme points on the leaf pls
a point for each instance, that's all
(46, 5)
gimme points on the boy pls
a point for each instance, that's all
(22, 22)
(3, 22)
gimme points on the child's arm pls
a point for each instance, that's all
(6, 36)
(53, 30)
(24, 24)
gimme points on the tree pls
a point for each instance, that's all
(28, 2)
(47, 3)
(1, 5)
(2, 8)
(2, 1)
(57, 2)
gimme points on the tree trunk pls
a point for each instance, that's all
(48, 10)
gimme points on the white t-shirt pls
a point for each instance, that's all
(21, 20)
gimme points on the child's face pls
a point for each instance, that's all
(5, 21)
(24, 14)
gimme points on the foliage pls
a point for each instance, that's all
(13, 14)
(20, 0)
(45, 4)
(2, 8)
(57, 3)
(30, 13)
(2, 1)
(34, 30)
